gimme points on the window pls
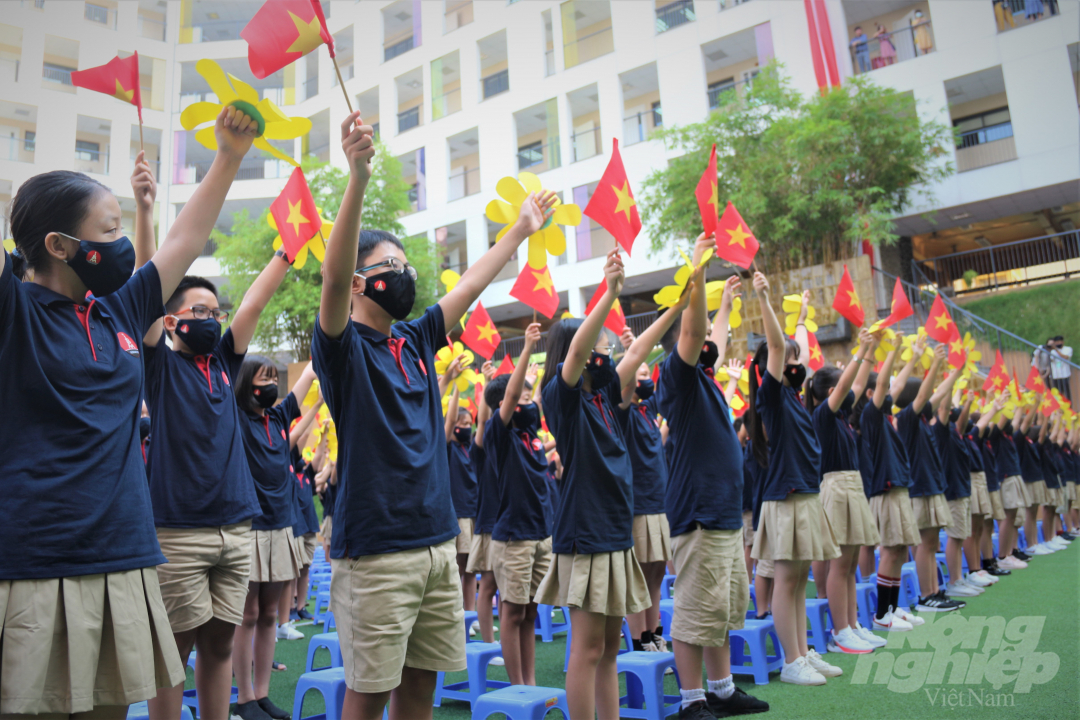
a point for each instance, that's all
(57, 73)
(30, 142)
(410, 99)
(401, 29)
(586, 30)
(983, 128)
(715, 90)
(458, 13)
(408, 119)
(671, 14)
(445, 86)
(530, 155)
(97, 14)
(85, 150)
(494, 72)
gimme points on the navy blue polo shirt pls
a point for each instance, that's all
(991, 466)
(754, 478)
(702, 449)
(978, 465)
(75, 498)
(888, 459)
(1008, 456)
(463, 490)
(750, 472)
(839, 451)
(553, 490)
(596, 505)
(1050, 465)
(794, 451)
(487, 491)
(924, 455)
(393, 475)
(328, 500)
(1071, 465)
(1027, 450)
(955, 460)
(521, 468)
(866, 465)
(199, 476)
(641, 430)
(307, 521)
(266, 444)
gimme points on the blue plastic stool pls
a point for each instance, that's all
(330, 684)
(546, 627)
(521, 702)
(322, 605)
(942, 538)
(645, 698)
(942, 569)
(909, 585)
(191, 700)
(866, 602)
(994, 540)
(328, 641)
(667, 612)
(1039, 531)
(752, 637)
(817, 614)
(628, 642)
(665, 587)
(328, 622)
(470, 617)
(140, 711)
(477, 656)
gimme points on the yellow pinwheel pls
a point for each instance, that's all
(446, 355)
(669, 295)
(714, 295)
(463, 404)
(909, 347)
(973, 356)
(549, 238)
(317, 244)
(735, 319)
(323, 425)
(272, 123)
(450, 279)
(793, 306)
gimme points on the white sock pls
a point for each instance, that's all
(723, 688)
(689, 697)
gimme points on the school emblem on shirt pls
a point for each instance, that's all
(127, 344)
(93, 257)
(380, 285)
(537, 445)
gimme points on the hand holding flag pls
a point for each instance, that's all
(615, 320)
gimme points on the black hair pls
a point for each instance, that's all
(495, 390)
(56, 201)
(176, 300)
(372, 239)
(754, 428)
(245, 381)
(462, 411)
(670, 338)
(819, 384)
(18, 264)
(738, 424)
(860, 402)
(909, 392)
(558, 342)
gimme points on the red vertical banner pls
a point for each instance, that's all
(825, 36)
(815, 46)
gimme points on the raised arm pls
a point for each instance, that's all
(802, 338)
(719, 334)
(255, 300)
(483, 413)
(516, 384)
(965, 412)
(451, 374)
(695, 320)
(882, 387)
(585, 338)
(774, 335)
(303, 383)
(927, 387)
(942, 397)
(145, 189)
(1029, 418)
(734, 369)
(641, 347)
(304, 424)
(897, 385)
(847, 377)
(862, 376)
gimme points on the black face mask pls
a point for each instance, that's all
(265, 395)
(849, 402)
(144, 428)
(645, 389)
(795, 374)
(201, 336)
(103, 267)
(601, 370)
(463, 435)
(527, 417)
(709, 355)
(393, 292)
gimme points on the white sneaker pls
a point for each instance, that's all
(908, 617)
(977, 580)
(1039, 549)
(984, 575)
(801, 673)
(660, 643)
(497, 661)
(870, 637)
(848, 641)
(818, 663)
(961, 589)
(892, 622)
(288, 632)
(474, 628)
(1011, 563)
(1058, 543)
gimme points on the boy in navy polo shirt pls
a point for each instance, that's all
(459, 453)
(393, 549)
(704, 507)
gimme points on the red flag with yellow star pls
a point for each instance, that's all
(901, 306)
(282, 32)
(707, 200)
(613, 204)
(506, 367)
(998, 378)
(295, 215)
(536, 289)
(816, 360)
(1050, 405)
(734, 241)
(957, 354)
(939, 323)
(480, 333)
(119, 77)
(615, 320)
(847, 301)
(1035, 382)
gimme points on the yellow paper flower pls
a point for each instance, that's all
(973, 356)
(549, 238)
(230, 90)
(446, 355)
(670, 295)
(737, 403)
(724, 377)
(793, 306)
(450, 279)
(908, 344)
(312, 394)
(714, 295)
(316, 436)
(567, 315)
(463, 404)
(735, 319)
(317, 244)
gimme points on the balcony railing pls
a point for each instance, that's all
(153, 29)
(408, 119)
(9, 70)
(17, 149)
(90, 161)
(538, 158)
(463, 184)
(99, 14)
(496, 83)
(1023, 262)
(1011, 14)
(674, 14)
(726, 4)
(57, 75)
(978, 155)
(446, 104)
(250, 169)
(890, 48)
(638, 127)
(588, 47)
(586, 144)
(723, 94)
(392, 51)
(985, 135)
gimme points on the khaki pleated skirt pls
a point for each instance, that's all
(980, 495)
(611, 584)
(795, 528)
(1054, 496)
(1012, 492)
(480, 554)
(931, 511)
(1070, 491)
(652, 538)
(895, 518)
(998, 509)
(274, 556)
(70, 644)
(845, 505)
(463, 541)
(1034, 493)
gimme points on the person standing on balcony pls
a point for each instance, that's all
(1033, 9)
(860, 44)
(1060, 372)
(921, 29)
(886, 50)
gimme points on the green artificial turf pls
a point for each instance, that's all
(1043, 648)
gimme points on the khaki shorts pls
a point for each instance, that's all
(610, 584)
(652, 538)
(795, 528)
(748, 528)
(844, 501)
(520, 567)
(1012, 492)
(959, 526)
(327, 527)
(207, 574)
(931, 511)
(305, 548)
(713, 591)
(997, 509)
(464, 538)
(395, 610)
(765, 568)
(274, 557)
(479, 554)
(895, 518)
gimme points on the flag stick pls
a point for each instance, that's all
(341, 82)
(140, 133)
(322, 240)
(534, 314)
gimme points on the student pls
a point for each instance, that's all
(326, 486)
(487, 512)
(1034, 486)
(747, 499)
(830, 401)
(981, 507)
(764, 569)
(1051, 465)
(264, 427)
(84, 618)
(1012, 493)
(792, 527)
(379, 382)
(994, 480)
(595, 572)
(463, 492)
(306, 521)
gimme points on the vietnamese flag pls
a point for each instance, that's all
(616, 320)
(957, 354)
(734, 241)
(706, 193)
(119, 77)
(536, 289)
(1050, 404)
(282, 32)
(1035, 382)
(998, 379)
(656, 374)
(295, 215)
(901, 307)
(817, 360)
(480, 333)
(505, 367)
(613, 204)
(939, 324)
(1014, 386)
(847, 301)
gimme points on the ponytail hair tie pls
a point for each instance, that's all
(757, 371)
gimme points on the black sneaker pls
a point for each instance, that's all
(768, 614)
(936, 603)
(1065, 536)
(995, 569)
(273, 710)
(697, 711)
(1021, 555)
(955, 601)
(303, 614)
(739, 703)
(251, 711)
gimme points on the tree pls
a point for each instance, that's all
(811, 176)
(289, 318)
